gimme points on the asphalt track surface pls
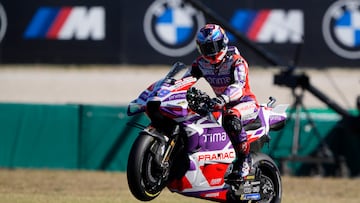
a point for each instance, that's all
(118, 85)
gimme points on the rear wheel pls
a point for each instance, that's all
(144, 175)
(270, 187)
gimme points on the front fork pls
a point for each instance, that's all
(163, 148)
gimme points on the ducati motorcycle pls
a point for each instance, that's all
(185, 148)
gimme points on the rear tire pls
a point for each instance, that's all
(143, 174)
(270, 177)
(269, 173)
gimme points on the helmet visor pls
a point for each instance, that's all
(211, 48)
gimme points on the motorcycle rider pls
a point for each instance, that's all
(226, 71)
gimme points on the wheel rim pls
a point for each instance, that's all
(153, 181)
(267, 190)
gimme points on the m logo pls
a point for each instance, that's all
(270, 26)
(67, 23)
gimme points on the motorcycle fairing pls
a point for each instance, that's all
(210, 159)
(172, 94)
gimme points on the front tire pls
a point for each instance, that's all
(143, 174)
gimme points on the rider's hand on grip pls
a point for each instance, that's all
(198, 101)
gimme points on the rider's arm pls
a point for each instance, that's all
(235, 90)
(194, 71)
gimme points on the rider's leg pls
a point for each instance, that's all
(233, 127)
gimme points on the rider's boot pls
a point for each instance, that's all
(241, 165)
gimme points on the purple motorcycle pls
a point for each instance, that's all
(187, 150)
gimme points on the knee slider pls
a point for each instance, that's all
(232, 125)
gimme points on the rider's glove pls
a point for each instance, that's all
(198, 101)
(217, 103)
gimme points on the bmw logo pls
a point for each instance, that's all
(171, 27)
(341, 28)
(3, 22)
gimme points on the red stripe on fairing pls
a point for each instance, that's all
(180, 185)
(58, 23)
(257, 24)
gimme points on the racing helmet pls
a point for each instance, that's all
(212, 43)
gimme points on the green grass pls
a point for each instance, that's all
(55, 186)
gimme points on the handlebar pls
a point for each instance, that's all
(271, 102)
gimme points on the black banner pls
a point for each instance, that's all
(324, 33)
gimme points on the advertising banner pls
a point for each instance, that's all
(67, 31)
(325, 33)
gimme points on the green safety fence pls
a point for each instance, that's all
(105, 137)
(314, 140)
(97, 137)
(65, 136)
(39, 135)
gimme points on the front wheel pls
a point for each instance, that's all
(144, 175)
